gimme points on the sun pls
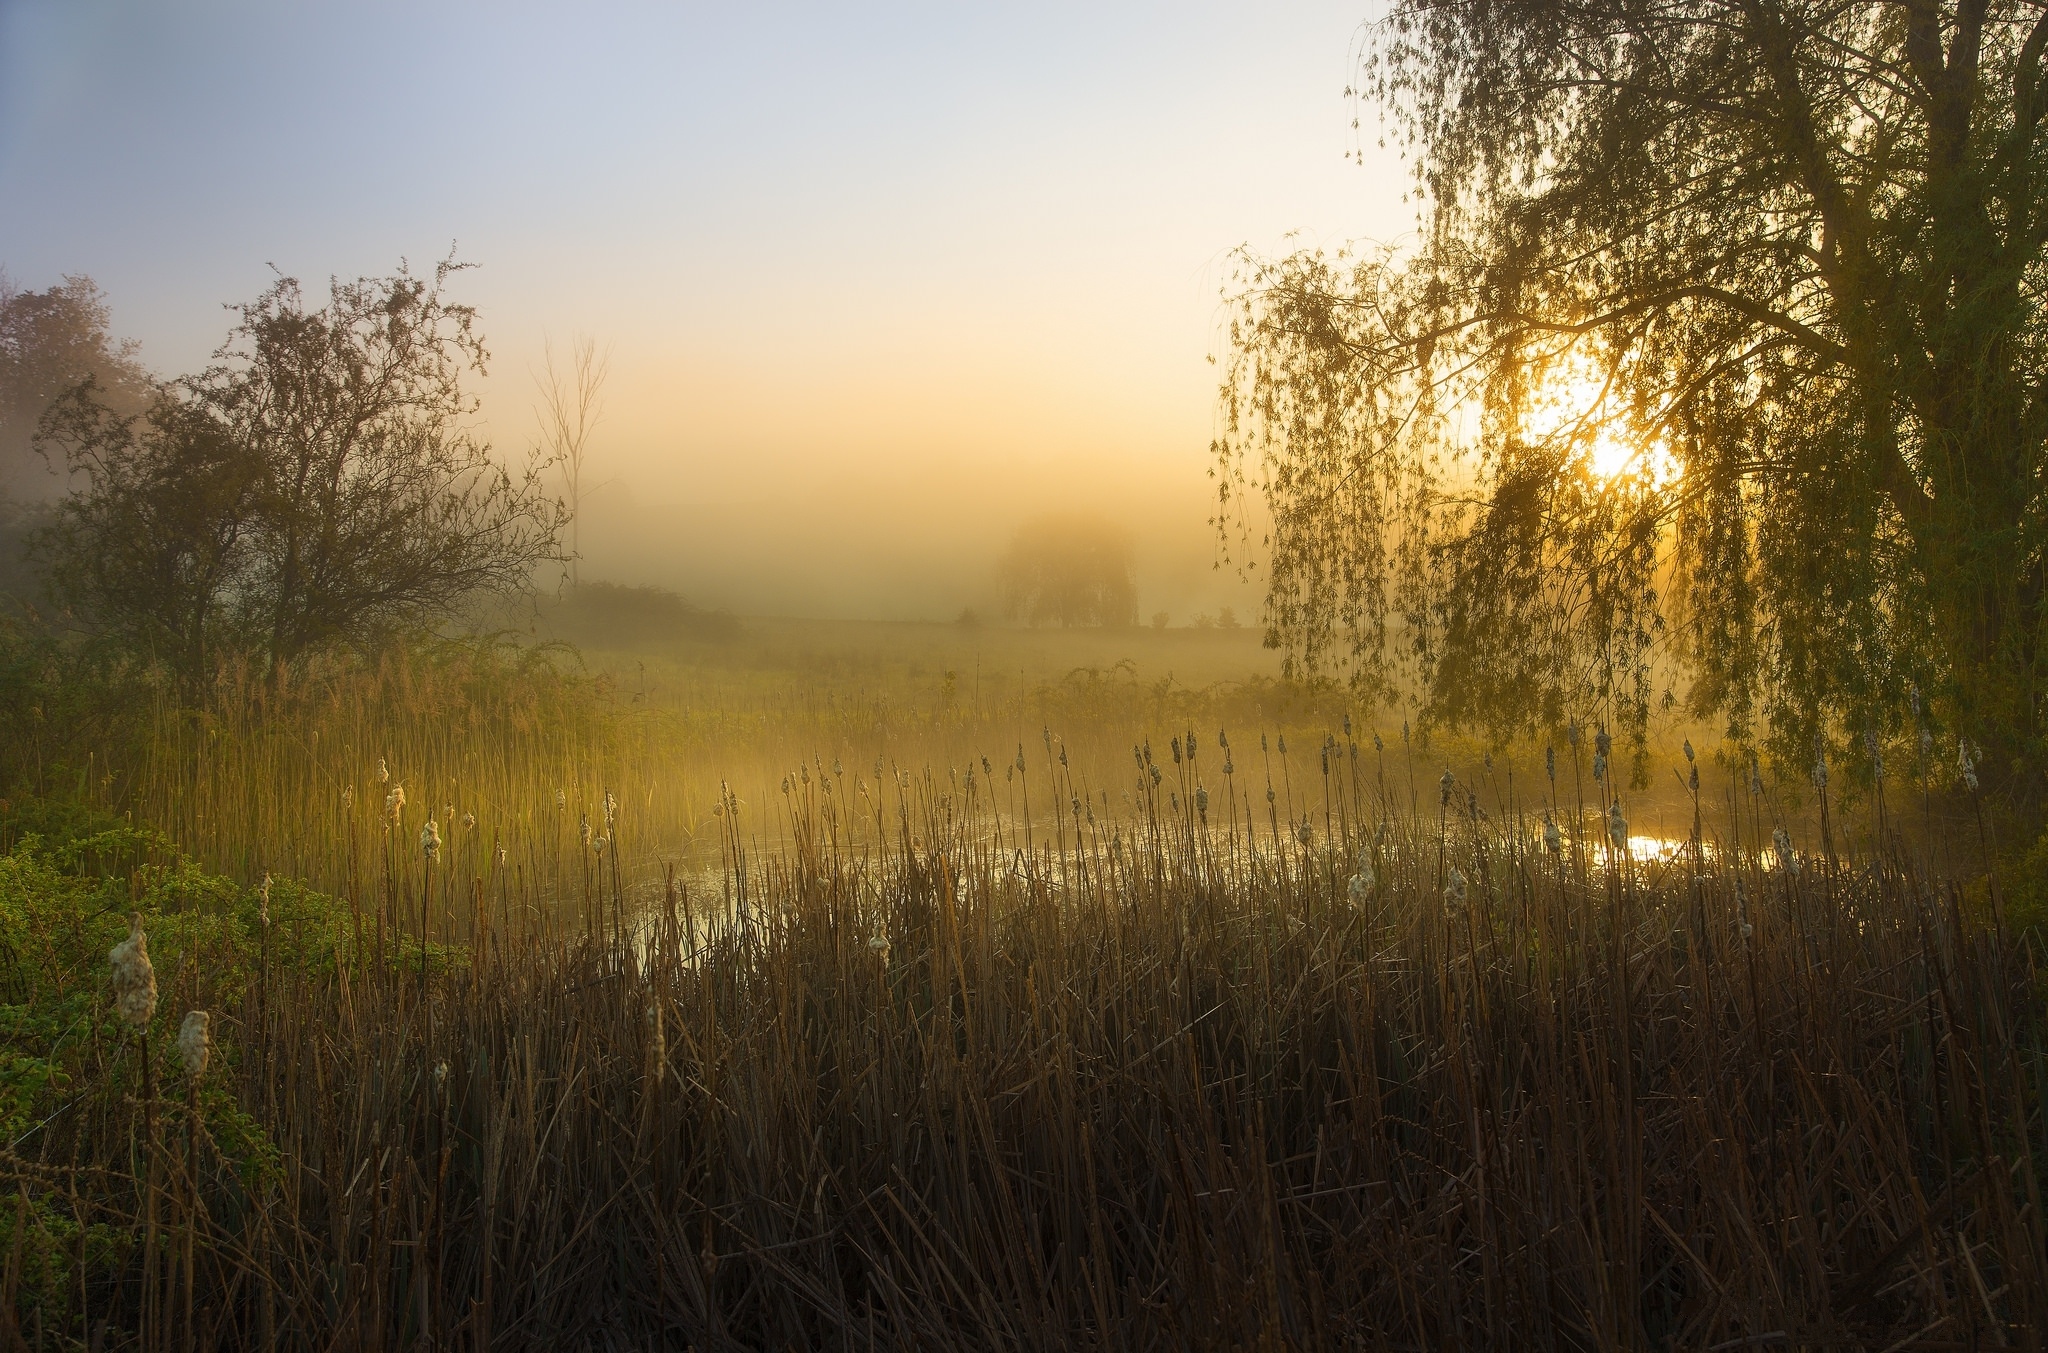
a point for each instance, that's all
(1578, 413)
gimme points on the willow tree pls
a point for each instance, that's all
(1720, 340)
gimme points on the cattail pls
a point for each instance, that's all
(584, 829)
(195, 1044)
(1362, 882)
(561, 798)
(1020, 758)
(394, 803)
(1692, 777)
(1202, 801)
(1688, 749)
(1742, 909)
(879, 944)
(1156, 777)
(1756, 776)
(1871, 745)
(1617, 827)
(1347, 723)
(1305, 833)
(1454, 887)
(657, 1038)
(1281, 742)
(1377, 744)
(1550, 763)
(611, 806)
(1603, 743)
(1599, 765)
(1571, 733)
(469, 822)
(1176, 751)
(1229, 766)
(1553, 839)
(501, 857)
(1781, 846)
(1820, 765)
(134, 978)
(383, 772)
(348, 796)
(1967, 764)
(600, 844)
(1444, 788)
(263, 899)
(1270, 795)
(430, 839)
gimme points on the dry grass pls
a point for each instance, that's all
(1010, 1060)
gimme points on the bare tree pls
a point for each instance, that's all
(317, 485)
(571, 406)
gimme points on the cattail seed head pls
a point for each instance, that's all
(1444, 788)
(1553, 839)
(1967, 764)
(1781, 846)
(1454, 886)
(501, 857)
(1362, 883)
(583, 829)
(1550, 763)
(1603, 743)
(1600, 766)
(1202, 800)
(1688, 749)
(1617, 827)
(469, 822)
(383, 771)
(195, 1044)
(430, 839)
(263, 899)
(134, 978)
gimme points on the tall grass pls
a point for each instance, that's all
(1089, 1046)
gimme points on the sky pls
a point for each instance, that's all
(879, 282)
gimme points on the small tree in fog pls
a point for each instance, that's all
(1069, 571)
(571, 403)
(50, 342)
(317, 485)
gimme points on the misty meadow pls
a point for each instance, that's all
(763, 756)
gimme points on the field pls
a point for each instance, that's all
(838, 986)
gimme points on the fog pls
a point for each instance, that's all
(876, 287)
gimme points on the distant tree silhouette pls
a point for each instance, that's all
(1069, 571)
(50, 342)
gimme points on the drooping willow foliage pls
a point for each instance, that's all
(1715, 367)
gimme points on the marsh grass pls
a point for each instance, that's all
(1078, 1046)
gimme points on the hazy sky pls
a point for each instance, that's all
(879, 280)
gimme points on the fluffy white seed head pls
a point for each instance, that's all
(1781, 846)
(1617, 827)
(1553, 839)
(134, 978)
(430, 839)
(195, 1044)
(1454, 886)
(383, 771)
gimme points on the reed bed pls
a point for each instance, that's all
(1001, 1058)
